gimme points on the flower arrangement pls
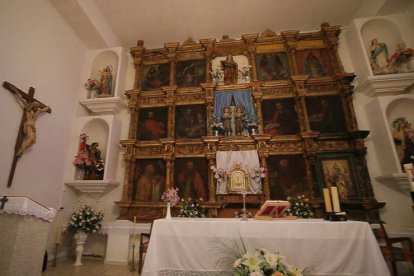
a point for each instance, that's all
(93, 85)
(218, 173)
(399, 122)
(258, 172)
(299, 207)
(251, 121)
(85, 219)
(217, 75)
(191, 208)
(244, 72)
(171, 196)
(402, 54)
(216, 124)
(263, 262)
(241, 212)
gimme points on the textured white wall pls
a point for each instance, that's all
(38, 49)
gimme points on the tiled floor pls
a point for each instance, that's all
(89, 268)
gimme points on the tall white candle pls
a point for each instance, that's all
(408, 168)
(328, 202)
(134, 232)
(58, 234)
(335, 200)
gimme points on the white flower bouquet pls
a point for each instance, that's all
(299, 206)
(191, 208)
(263, 262)
(85, 219)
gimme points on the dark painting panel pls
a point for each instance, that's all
(149, 182)
(314, 63)
(280, 117)
(326, 114)
(272, 66)
(155, 76)
(287, 176)
(152, 123)
(190, 175)
(190, 73)
(337, 172)
(190, 121)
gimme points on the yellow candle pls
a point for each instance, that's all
(335, 200)
(328, 202)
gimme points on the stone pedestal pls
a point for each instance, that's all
(23, 236)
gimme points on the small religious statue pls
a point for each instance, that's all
(230, 69)
(106, 81)
(226, 118)
(238, 120)
(88, 161)
(379, 57)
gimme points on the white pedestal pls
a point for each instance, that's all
(23, 236)
(118, 247)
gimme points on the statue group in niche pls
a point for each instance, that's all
(403, 135)
(89, 160)
(233, 120)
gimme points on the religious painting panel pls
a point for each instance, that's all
(190, 121)
(149, 180)
(155, 76)
(287, 176)
(326, 114)
(190, 73)
(152, 123)
(337, 170)
(280, 117)
(314, 63)
(272, 66)
(190, 177)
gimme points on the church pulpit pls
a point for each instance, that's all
(23, 235)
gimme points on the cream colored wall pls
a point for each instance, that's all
(38, 49)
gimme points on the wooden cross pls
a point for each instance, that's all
(26, 136)
(3, 201)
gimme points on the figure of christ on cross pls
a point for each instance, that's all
(27, 132)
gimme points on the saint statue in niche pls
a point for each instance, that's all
(226, 118)
(403, 136)
(230, 69)
(106, 81)
(238, 120)
(379, 57)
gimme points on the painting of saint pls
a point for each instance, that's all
(337, 172)
(190, 73)
(150, 180)
(272, 66)
(287, 176)
(191, 176)
(314, 63)
(279, 117)
(190, 121)
(155, 76)
(152, 124)
(326, 114)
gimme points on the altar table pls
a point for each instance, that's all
(189, 246)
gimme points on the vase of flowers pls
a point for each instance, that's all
(171, 198)
(216, 125)
(94, 88)
(252, 123)
(191, 208)
(85, 219)
(401, 58)
(264, 262)
(299, 207)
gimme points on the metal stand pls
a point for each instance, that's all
(243, 216)
(133, 259)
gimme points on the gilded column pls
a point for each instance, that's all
(209, 96)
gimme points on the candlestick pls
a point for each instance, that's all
(328, 202)
(335, 200)
(408, 168)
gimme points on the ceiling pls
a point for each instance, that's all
(110, 23)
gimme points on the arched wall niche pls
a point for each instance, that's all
(384, 31)
(101, 61)
(98, 131)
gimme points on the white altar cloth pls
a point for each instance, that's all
(188, 246)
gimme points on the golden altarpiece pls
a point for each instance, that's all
(294, 85)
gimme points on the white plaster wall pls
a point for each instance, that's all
(38, 49)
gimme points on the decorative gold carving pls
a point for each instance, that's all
(189, 150)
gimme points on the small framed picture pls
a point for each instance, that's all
(337, 170)
(190, 73)
(190, 175)
(326, 114)
(280, 117)
(190, 121)
(272, 66)
(314, 63)
(155, 76)
(152, 123)
(149, 182)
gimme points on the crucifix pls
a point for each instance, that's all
(26, 136)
